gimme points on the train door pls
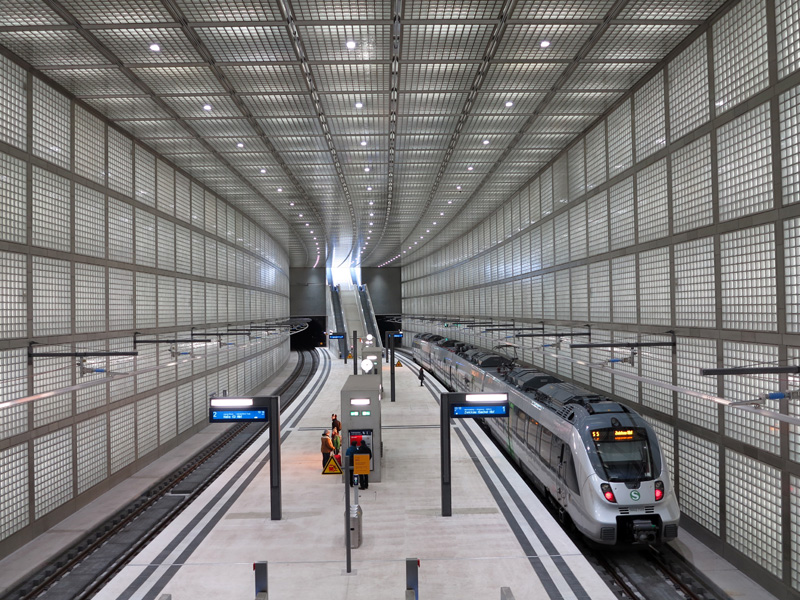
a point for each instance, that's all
(563, 465)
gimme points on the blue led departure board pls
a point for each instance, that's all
(237, 414)
(480, 410)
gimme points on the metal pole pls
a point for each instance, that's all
(275, 457)
(412, 576)
(391, 368)
(262, 586)
(444, 427)
(355, 353)
(348, 468)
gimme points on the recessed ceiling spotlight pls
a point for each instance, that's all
(370, 230)
(207, 107)
(369, 238)
(434, 222)
(544, 43)
(370, 222)
(441, 214)
(300, 215)
(422, 237)
(509, 104)
(280, 190)
(315, 238)
(359, 105)
(312, 232)
(351, 45)
(363, 142)
(240, 145)
(449, 201)
(371, 203)
(458, 187)
(263, 170)
(371, 214)
(485, 142)
(369, 188)
(155, 47)
(427, 231)
(306, 224)
(470, 168)
(415, 243)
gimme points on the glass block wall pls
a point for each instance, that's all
(101, 238)
(683, 215)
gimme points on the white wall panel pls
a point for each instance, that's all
(740, 54)
(699, 481)
(688, 89)
(754, 520)
(13, 201)
(744, 164)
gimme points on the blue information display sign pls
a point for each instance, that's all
(243, 410)
(397, 335)
(237, 414)
(336, 336)
(477, 410)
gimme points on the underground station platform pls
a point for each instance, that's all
(248, 535)
(209, 551)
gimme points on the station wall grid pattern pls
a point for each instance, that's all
(678, 210)
(100, 237)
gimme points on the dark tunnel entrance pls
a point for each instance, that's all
(311, 337)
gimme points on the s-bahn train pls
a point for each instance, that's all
(596, 460)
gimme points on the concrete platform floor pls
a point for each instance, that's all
(469, 555)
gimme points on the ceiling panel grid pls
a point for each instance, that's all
(486, 93)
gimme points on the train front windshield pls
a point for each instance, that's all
(622, 454)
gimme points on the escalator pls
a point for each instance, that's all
(369, 314)
(336, 305)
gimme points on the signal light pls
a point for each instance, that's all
(659, 485)
(608, 493)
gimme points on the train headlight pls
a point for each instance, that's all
(608, 493)
(659, 485)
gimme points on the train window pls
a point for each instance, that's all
(623, 454)
(544, 448)
(533, 436)
(519, 423)
(570, 477)
(556, 452)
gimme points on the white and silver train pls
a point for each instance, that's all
(596, 460)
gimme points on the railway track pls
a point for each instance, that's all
(653, 573)
(82, 570)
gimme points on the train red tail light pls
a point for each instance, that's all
(659, 485)
(608, 493)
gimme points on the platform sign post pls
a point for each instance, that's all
(348, 468)
(355, 352)
(460, 405)
(390, 357)
(259, 409)
(276, 508)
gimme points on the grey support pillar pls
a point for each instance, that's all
(275, 457)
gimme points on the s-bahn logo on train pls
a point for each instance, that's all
(635, 495)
